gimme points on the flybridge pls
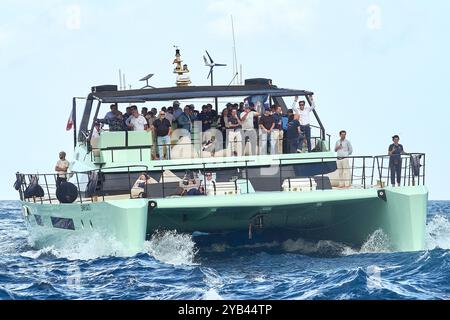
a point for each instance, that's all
(109, 94)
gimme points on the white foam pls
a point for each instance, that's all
(172, 248)
(378, 242)
(81, 247)
(212, 294)
(438, 233)
(321, 247)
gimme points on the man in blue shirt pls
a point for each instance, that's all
(294, 135)
(395, 162)
(185, 120)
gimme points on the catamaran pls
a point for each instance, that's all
(241, 198)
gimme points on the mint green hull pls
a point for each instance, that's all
(344, 216)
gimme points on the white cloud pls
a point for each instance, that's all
(374, 18)
(257, 17)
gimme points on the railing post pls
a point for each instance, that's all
(389, 172)
(373, 171)
(424, 157)
(129, 183)
(163, 183)
(353, 170)
(409, 173)
(364, 172)
(405, 172)
(281, 175)
(246, 176)
(204, 178)
(323, 176)
(48, 190)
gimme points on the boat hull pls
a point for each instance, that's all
(344, 216)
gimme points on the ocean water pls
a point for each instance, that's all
(171, 267)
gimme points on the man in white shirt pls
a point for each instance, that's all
(344, 149)
(250, 133)
(137, 122)
(305, 120)
(61, 169)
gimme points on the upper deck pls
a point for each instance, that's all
(131, 148)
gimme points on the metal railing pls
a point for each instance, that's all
(97, 154)
(355, 172)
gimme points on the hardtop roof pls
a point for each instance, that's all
(194, 92)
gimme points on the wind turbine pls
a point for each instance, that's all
(211, 64)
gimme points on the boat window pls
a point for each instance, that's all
(62, 223)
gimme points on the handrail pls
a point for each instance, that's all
(364, 170)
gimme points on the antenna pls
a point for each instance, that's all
(241, 76)
(146, 78)
(235, 62)
(124, 83)
(120, 79)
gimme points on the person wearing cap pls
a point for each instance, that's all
(61, 169)
(177, 112)
(162, 129)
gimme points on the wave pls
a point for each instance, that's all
(172, 248)
(167, 247)
(79, 247)
(438, 233)
(377, 242)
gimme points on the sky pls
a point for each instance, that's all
(377, 68)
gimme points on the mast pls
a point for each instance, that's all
(235, 62)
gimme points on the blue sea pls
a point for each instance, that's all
(172, 268)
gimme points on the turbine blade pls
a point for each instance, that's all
(212, 61)
(210, 72)
(221, 65)
(206, 61)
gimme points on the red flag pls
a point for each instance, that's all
(70, 122)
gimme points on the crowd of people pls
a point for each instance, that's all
(246, 129)
(263, 130)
